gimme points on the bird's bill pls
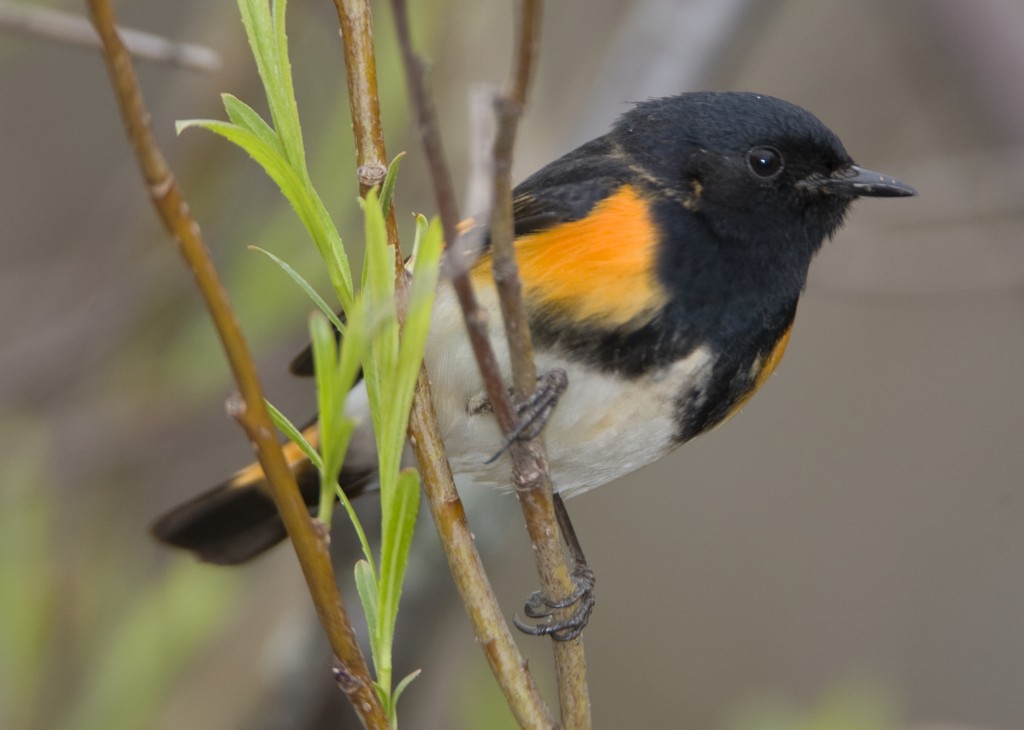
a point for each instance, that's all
(856, 181)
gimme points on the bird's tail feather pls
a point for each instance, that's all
(238, 520)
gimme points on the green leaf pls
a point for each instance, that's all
(259, 29)
(366, 586)
(325, 360)
(336, 372)
(402, 378)
(296, 188)
(387, 190)
(417, 325)
(283, 93)
(306, 287)
(286, 427)
(244, 116)
(419, 233)
(356, 525)
(399, 521)
(400, 687)
(389, 359)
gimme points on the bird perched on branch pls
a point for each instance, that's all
(661, 267)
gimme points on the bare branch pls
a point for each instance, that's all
(356, 21)
(249, 409)
(530, 474)
(530, 470)
(492, 631)
(63, 27)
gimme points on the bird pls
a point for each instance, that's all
(661, 264)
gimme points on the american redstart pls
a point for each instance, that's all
(661, 265)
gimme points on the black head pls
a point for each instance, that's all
(753, 167)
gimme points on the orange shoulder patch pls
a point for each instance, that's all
(600, 269)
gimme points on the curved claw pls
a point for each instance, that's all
(539, 606)
(565, 630)
(536, 410)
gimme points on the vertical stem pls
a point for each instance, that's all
(530, 470)
(424, 433)
(356, 21)
(530, 474)
(249, 409)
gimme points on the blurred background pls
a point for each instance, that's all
(847, 550)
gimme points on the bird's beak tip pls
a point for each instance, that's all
(856, 181)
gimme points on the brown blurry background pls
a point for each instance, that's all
(853, 539)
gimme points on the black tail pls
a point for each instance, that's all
(234, 522)
(238, 520)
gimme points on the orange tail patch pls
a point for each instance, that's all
(253, 474)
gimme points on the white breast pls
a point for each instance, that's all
(603, 427)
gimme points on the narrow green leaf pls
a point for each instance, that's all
(288, 428)
(366, 586)
(337, 371)
(364, 543)
(246, 117)
(299, 193)
(325, 360)
(399, 522)
(378, 293)
(283, 93)
(417, 323)
(418, 234)
(306, 287)
(256, 20)
(258, 25)
(271, 160)
(353, 346)
(400, 687)
(387, 190)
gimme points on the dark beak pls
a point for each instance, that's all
(855, 181)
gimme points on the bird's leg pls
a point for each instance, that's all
(533, 416)
(535, 411)
(582, 596)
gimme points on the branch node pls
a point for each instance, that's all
(346, 680)
(371, 174)
(234, 404)
(159, 189)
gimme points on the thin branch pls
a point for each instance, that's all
(530, 473)
(423, 106)
(63, 27)
(491, 629)
(248, 408)
(356, 22)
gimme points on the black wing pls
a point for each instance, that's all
(568, 188)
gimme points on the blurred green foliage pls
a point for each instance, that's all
(73, 655)
(849, 706)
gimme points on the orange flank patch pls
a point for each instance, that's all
(767, 368)
(253, 474)
(773, 360)
(599, 269)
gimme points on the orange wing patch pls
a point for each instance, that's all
(600, 269)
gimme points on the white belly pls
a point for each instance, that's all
(603, 427)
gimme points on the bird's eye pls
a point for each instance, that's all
(765, 162)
